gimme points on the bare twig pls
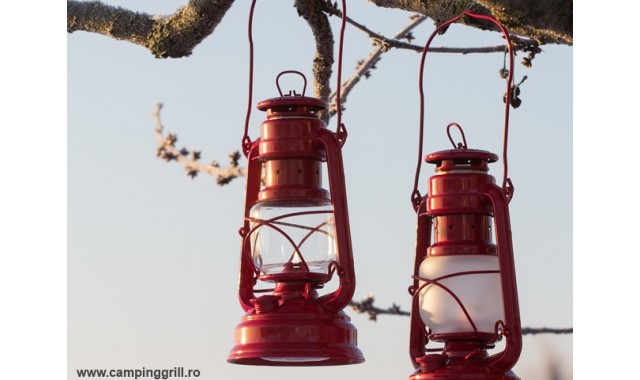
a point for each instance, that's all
(366, 307)
(519, 43)
(546, 330)
(384, 44)
(189, 159)
(548, 22)
(364, 67)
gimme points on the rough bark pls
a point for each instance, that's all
(166, 37)
(312, 12)
(546, 21)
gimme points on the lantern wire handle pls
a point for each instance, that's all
(340, 129)
(507, 186)
(343, 24)
(246, 141)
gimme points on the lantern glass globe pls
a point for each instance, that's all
(293, 232)
(480, 293)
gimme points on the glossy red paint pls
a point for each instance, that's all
(293, 325)
(463, 198)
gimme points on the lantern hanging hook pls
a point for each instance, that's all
(304, 87)
(463, 144)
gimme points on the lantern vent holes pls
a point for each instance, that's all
(467, 162)
(295, 110)
(282, 109)
(462, 164)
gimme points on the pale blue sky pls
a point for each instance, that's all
(152, 255)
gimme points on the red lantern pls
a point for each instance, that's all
(464, 288)
(295, 238)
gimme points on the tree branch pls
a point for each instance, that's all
(167, 151)
(174, 36)
(384, 44)
(545, 330)
(364, 67)
(388, 43)
(311, 11)
(366, 307)
(547, 21)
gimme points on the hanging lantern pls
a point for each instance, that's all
(295, 238)
(464, 290)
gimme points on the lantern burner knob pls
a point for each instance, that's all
(266, 303)
(432, 362)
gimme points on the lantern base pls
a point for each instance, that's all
(462, 373)
(442, 367)
(293, 336)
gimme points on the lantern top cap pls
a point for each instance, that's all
(461, 154)
(293, 101)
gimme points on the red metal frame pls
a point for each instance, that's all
(293, 325)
